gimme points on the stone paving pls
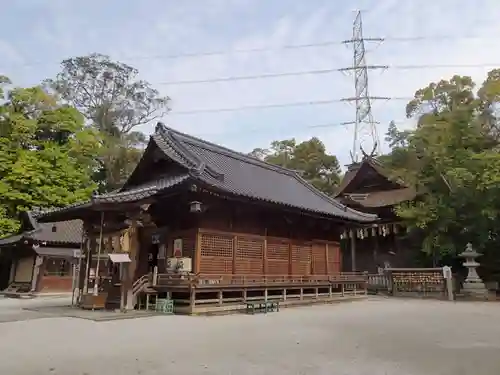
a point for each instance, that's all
(374, 336)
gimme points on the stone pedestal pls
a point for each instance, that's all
(473, 285)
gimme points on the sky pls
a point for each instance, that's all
(36, 35)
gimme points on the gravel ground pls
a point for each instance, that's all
(375, 336)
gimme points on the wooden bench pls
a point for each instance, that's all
(262, 306)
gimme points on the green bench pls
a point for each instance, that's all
(262, 306)
(162, 305)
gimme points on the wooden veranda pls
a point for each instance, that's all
(217, 293)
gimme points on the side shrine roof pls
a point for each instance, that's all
(51, 233)
(355, 190)
(231, 172)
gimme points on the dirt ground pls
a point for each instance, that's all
(374, 336)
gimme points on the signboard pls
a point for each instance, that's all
(178, 248)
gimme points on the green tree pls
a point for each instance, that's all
(309, 158)
(114, 101)
(452, 159)
(46, 154)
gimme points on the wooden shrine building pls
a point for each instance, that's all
(209, 226)
(40, 258)
(370, 188)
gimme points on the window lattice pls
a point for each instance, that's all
(251, 248)
(277, 250)
(301, 253)
(215, 245)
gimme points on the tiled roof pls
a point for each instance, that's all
(63, 232)
(400, 192)
(134, 194)
(60, 232)
(226, 170)
(356, 168)
(243, 175)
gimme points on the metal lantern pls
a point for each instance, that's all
(195, 206)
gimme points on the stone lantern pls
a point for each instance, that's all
(473, 285)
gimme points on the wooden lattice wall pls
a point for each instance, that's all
(243, 254)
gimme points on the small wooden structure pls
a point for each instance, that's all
(40, 258)
(212, 228)
(369, 187)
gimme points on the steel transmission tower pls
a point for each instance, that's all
(366, 139)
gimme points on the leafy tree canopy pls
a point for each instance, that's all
(115, 102)
(309, 158)
(452, 158)
(46, 153)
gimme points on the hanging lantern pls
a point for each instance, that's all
(195, 207)
(361, 234)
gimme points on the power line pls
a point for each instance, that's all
(251, 77)
(262, 49)
(292, 128)
(321, 71)
(270, 106)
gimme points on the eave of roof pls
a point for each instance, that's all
(105, 201)
(382, 198)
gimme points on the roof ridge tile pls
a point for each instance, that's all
(229, 152)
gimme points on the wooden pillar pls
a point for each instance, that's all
(265, 266)
(81, 267)
(235, 247)
(88, 264)
(353, 250)
(375, 249)
(326, 259)
(197, 252)
(133, 253)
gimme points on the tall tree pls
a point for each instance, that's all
(46, 154)
(115, 101)
(452, 159)
(309, 158)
